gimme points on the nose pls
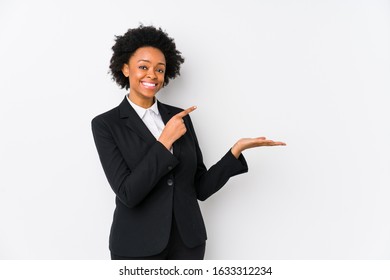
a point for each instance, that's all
(151, 74)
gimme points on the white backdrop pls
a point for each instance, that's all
(314, 74)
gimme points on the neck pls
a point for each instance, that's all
(144, 103)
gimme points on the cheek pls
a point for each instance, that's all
(162, 82)
(135, 77)
(162, 77)
(137, 74)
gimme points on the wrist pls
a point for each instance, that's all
(236, 150)
(166, 143)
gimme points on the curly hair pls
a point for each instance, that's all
(144, 36)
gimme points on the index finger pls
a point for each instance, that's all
(186, 112)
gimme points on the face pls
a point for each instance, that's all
(145, 70)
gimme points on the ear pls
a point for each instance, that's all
(125, 70)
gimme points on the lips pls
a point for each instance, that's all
(149, 85)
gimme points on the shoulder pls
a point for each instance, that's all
(111, 118)
(107, 117)
(115, 114)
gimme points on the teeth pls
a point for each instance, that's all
(148, 84)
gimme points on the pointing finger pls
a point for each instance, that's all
(186, 112)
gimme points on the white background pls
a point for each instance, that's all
(314, 74)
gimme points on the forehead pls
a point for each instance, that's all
(151, 54)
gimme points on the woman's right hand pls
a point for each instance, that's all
(175, 128)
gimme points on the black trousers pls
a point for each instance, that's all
(175, 250)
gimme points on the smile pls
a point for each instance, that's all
(149, 85)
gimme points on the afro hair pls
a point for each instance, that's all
(144, 36)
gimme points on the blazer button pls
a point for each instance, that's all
(170, 182)
(169, 167)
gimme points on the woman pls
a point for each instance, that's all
(151, 156)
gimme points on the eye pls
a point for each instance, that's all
(160, 70)
(143, 67)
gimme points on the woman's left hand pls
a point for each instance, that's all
(247, 143)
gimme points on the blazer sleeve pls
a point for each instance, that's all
(130, 186)
(208, 182)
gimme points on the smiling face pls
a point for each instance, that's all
(145, 70)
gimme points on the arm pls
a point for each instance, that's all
(130, 186)
(208, 182)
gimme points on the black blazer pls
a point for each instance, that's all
(151, 184)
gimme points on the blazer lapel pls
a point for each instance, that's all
(166, 115)
(134, 122)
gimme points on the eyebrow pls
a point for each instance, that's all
(145, 60)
